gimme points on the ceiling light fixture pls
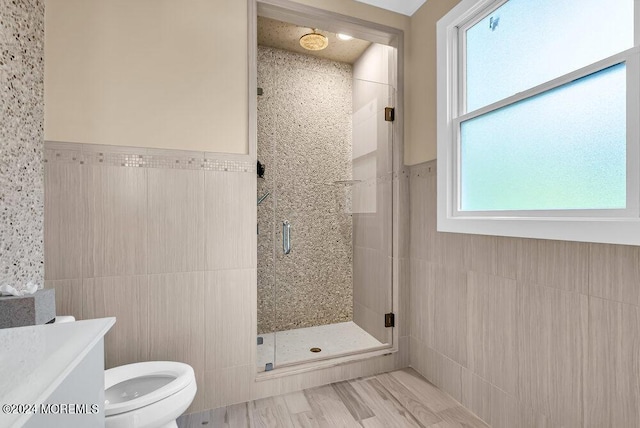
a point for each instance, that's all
(314, 41)
(344, 36)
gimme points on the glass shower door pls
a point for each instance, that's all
(333, 228)
(371, 206)
(325, 225)
(266, 197)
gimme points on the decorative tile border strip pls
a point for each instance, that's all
(62, 156)
(403, 174)
(423, 169)
(229, 165)
(145, 158)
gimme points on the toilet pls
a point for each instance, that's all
(150, 394)
(147, 395)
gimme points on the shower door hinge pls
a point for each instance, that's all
(389, 320)
(389, 114)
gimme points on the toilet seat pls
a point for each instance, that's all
(160, 391)
(181, 373)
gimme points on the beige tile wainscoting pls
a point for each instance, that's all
(165, 241)
(524, 332)
(158, 239)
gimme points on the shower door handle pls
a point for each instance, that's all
(286, 237)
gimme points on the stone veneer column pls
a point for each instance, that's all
(21, 142)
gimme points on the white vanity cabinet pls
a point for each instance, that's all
(52, 375)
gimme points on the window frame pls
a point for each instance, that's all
(608, 226)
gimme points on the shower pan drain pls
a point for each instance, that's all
(315, 349)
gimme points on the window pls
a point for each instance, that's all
(538, 118)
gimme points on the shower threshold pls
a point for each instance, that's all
(294, 346)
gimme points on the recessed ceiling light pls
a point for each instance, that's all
(344, 36)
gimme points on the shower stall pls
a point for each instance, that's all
(324, 205)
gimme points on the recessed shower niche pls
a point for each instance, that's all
(324, 197)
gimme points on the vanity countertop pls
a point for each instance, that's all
(34, 360)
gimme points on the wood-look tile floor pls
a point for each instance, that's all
(401, 398)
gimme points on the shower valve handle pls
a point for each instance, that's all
(286, 237)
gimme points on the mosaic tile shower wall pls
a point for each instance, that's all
(21, 138)
(304, 141)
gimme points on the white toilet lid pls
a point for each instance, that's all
(136, 385)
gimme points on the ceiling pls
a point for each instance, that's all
(405, 7)
(282, 35)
